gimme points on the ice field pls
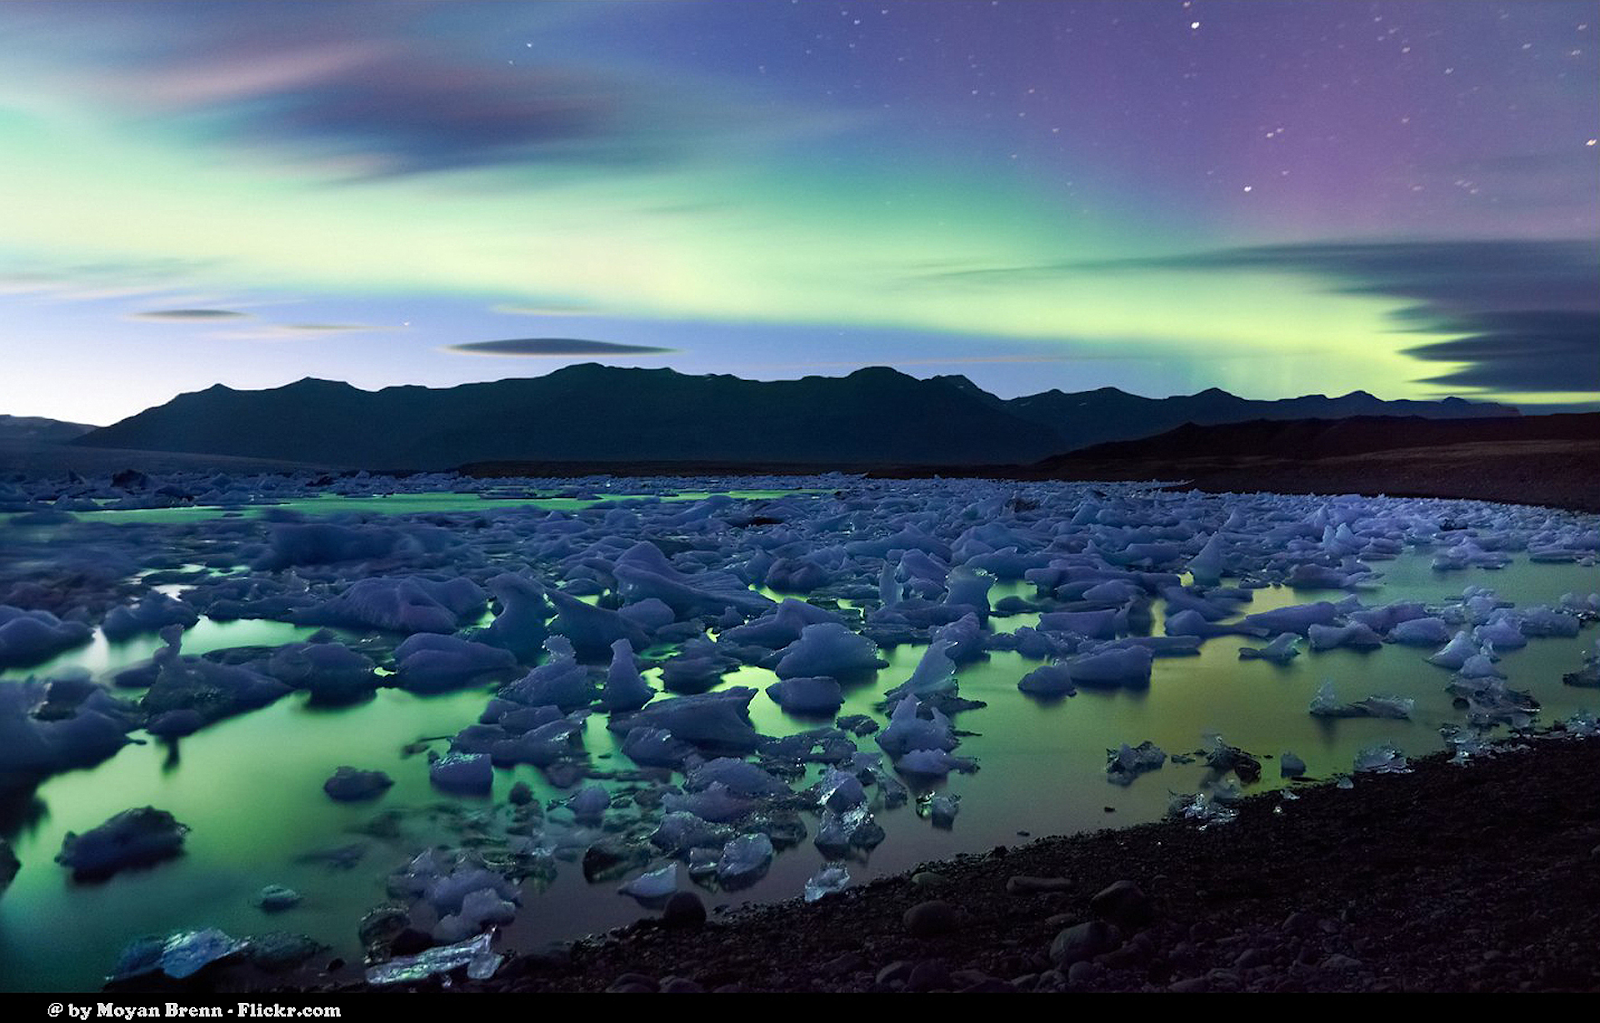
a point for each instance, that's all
(372, 714)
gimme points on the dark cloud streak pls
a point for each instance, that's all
(554, 347)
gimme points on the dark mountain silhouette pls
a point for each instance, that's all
(599, 414)
(37, 430)
(1311, 439)
(1108, 414)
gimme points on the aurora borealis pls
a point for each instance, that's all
(1267, 196)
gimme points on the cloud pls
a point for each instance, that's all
(300, 331)
(553, 347)
(1526, 313)
(190, 315)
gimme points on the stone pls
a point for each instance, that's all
(1023, 884)
(1084, 941)
(683, 909)
(930, 919)
(1124, 904)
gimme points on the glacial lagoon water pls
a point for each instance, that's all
(250, 786)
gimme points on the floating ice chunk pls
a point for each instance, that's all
(908, 730)
(131, 838)
(1129, 666)
(830, 878)
(739, 776)
(654, 886)
(28, 637)
(816, 696)
(933, 763)
(332, 672)
(1455, 653)
(1480, 665)
(589, 802)
(561, 681)
(1202, 807)
(716, 802)
(480, 908)
(1421, 632)
(1127, 763)
(969, 588)
(430, 663)
(154, 612)
(625, 688)
(1381, 759)
(1326, 704)
(348, 784)
(1291, 766)
(1093, 624)
(654, 747)
(465, 773)
(744, 861)
(474, 954)
(1050, 680)
(1280, 651)
(33, 745)
(1545, 621)
(1502, 633)
(828, 648)
(543, 745)
(643, 572)
(591, 629)
(520, 625)
(942, 810)
(935, 674)
(839, 832)
(406, 604)
(1297, 619)
(1354, 635)
(719, 719)
(680, 831)
(780, 627)
(179, 955)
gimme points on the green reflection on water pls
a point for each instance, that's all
(251, 786)
(405, 504)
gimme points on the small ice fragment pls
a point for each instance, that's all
(829, 878)
(474, 954)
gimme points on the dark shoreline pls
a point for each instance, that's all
(1475, 878)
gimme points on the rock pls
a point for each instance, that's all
(930, 919)
(275, 898)
(928, 975)
(609, 859)
(899, 970)
(1022, 884)
(381, 926)
(521, 794)
(683, 909)
(1124, 904)
(1340, 962)
(349, 784)
(1189, 985)
(1083, 972)
(929, 879)
(1084, 941)
(634, 983)
(132, 838)
(681, 986)
(1250, 958)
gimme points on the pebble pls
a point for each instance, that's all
(932, 918)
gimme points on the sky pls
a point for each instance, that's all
(1274, 197)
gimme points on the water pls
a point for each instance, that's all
(250, 787)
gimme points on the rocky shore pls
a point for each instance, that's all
(1450, 878)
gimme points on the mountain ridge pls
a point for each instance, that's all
(591, 412)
